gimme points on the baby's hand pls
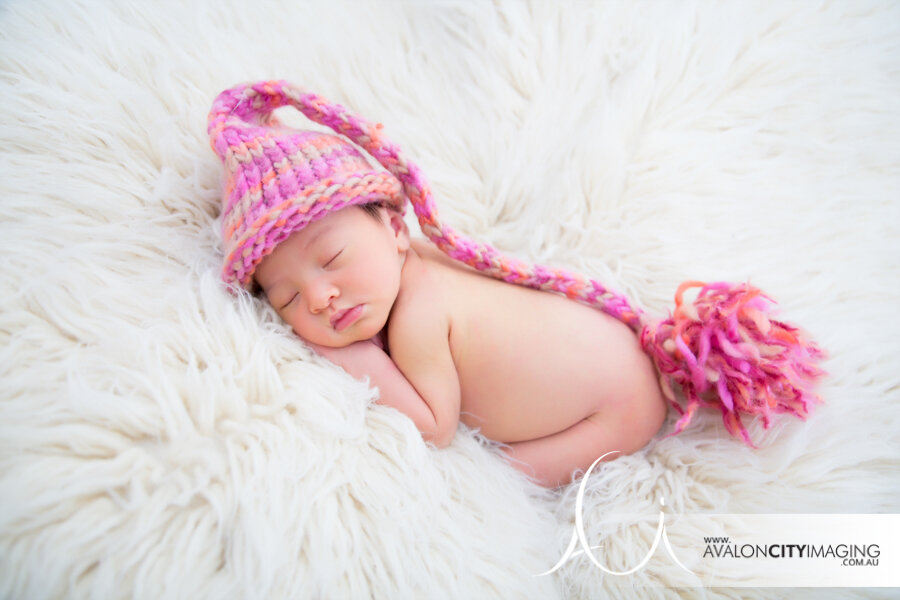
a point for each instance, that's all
(366, 360)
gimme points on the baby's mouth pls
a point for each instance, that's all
(343, 319)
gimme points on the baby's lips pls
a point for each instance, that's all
(337, 316)
(344, 319)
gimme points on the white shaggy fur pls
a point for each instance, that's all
(161, 438)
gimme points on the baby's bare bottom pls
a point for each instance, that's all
(551, 460)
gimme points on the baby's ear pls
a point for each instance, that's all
(398, 226)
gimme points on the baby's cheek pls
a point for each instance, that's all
(301, 328)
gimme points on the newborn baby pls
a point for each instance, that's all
(558, 382)
(307, 218)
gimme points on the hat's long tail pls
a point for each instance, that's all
(256, 101)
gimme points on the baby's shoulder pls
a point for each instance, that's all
(433, 255)
(421, 310)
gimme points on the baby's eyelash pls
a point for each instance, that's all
(288, 302)
(334, 257)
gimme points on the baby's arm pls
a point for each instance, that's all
(366, 359)
(420, 347)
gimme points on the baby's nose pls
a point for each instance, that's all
(321, 297)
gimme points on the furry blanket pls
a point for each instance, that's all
(161, 438)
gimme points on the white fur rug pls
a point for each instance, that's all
(162, 439)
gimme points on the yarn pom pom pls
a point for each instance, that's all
(725, 350)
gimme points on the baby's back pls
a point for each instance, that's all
(532, 363)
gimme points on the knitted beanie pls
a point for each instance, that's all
(279, 180)
(723, 349)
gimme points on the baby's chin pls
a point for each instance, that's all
(358, 332)
(366, 333)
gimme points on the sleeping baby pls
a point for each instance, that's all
(438, 326)
(560, 383)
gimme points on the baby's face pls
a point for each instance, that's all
(335, 281)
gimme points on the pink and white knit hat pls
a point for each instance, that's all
(724, 349)
(279, 180)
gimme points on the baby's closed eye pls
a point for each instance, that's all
(288, 303)
(332, 260)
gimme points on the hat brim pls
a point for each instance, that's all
(253, 241)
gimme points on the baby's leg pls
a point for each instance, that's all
(551, 460)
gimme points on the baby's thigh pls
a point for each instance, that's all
(551, 460)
